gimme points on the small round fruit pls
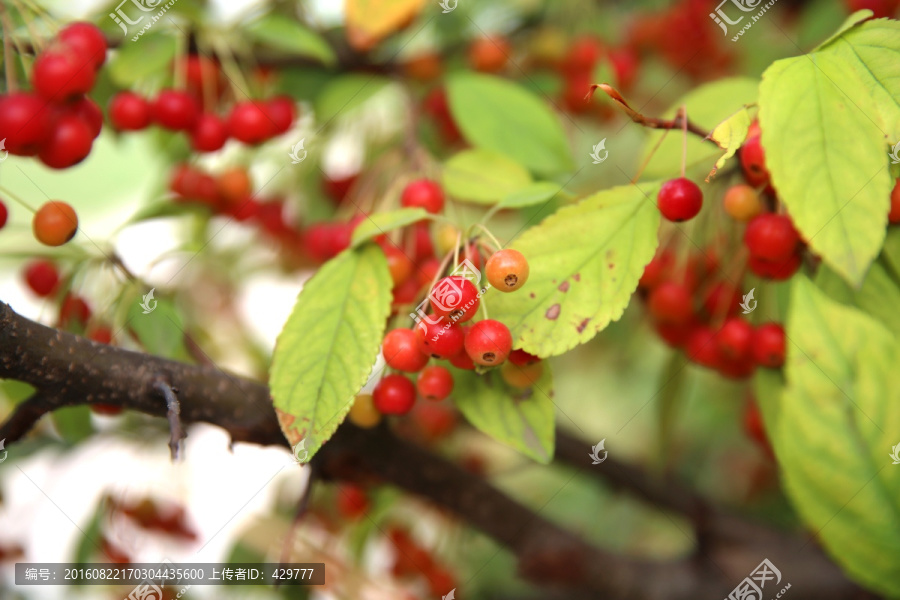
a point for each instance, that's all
(753, 162)
(777, 270)
(282, 113)
(86, 41)
(657, 270)
(74, 310)
(54, 223)
(521, 376)
(352, 502)
(363, 412)
(209, 133)
(434, 383)
(455, 298)
(106, 410)
(69, 143)
(445, 238)
(4, 214)
(58, 75)
(25, 123)
(399, 265)
(894, 214)
(175, 110)
(768, 345)
(234, 186)
(489, 54)
(42, 277)
(742, 203)
(401, 351)
(463, 361)
(679, 199)
(771, 237)
(735, 339)
(87, 110)
(423, 193)
(441, 339)
(701, 347)
(521, 358)
(250, 123)
(129, 112)
(488, 342)
(507, 270)
(670, 302)
(100, 334)
(394, 395)
(722, 299)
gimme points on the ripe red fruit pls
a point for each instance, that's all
(423, 248)
(337, 188)
(73, 310)
(771, 237)
(399, 265)
(735, 339)
(768, 345)
(434, 420)
(520, 358)
(777, 270)
(583, 55)
(753, 162)
(434, 383)
(625, 63)
(423, 193)
(85, 41)
(441, 339)
(69, 143)
(87, 110)
(394, 395)
(25, 123)
(670, 302)
(427, 271)
(234, 186)
(250, 123)
(175, 110)
(54, 223)
(281, 112)
(675, 334)
(209, 133)
(202, 74)
(405, 294)
(42, 277)
(58, 75)
(461, 360)
(894, 214)
(488, 342)
(101, 334)
(701, 347)
(4, 214)
(455, 298)
(507, 270)
(352, 502)
(489, 54)
(679, 199)
(657, 270)
(722, 300)
(401, 351)
(129, 112)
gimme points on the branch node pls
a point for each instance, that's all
(173, 414)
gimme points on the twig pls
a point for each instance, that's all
(173, 414)
(678, 122)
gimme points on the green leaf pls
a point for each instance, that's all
(585, 261)
(326, 350)
(849, 23)
(379, 223)
(500, 115)
(73, 423)
(135, 61)
(535, 193)
(283, 33)
(343, 94)
(730, 134)
(890, 253)
(483, 176)
(707, 106)
(523, 419)
(161, 331)
(826, 158)
(879, 295)
(830, 429)
(872, 52)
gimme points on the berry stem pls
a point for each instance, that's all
(683, 113)
(487, 232)
(6, 192)
(651, 122)
(11, 80)
(179, 74)
(36, 39)
(647, 160)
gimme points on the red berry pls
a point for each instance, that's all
(489, 54)
(25, 123)
(281, 112)
(423, 248)
(175, 110)
(202, 74)
(583, 55)
(401, 351)
(894, 214)
(338, 187)
(455, 297)
(406, 293)
(101, 334)
(69, 143)
(73, 310)
(722, 300)
(441, 339)
(129, 112)
(675, 334)
(87, 110)
(250, 123)
(735, 339)
(777, 270)
(657, 270)
(209, 133)
(671, 303)
(768, 345)
(625, 63)
(58, 75)
(771, 237)
(86, 41)
(423, 193)
(488, 342)
(520, 358)
(399, 265)
(427, 271)
(394, 395)
(507, 270)
(54, 223)
(352, 501)
(753, 162)
(701, 347)
(434, 420)
(42, 277)
(4, 214)
(679, 199)
(461, 360)
(434, 383)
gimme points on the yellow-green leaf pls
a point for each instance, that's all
(370, 21)
(374, 225)
(286, 34)
(729, 135)
(483, 176)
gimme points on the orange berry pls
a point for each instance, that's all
(742, 203)
(55, 223)
(507, 270)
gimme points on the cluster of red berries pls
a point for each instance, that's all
(411, 560)
(57, 121)
(167, 518)
(250, 122)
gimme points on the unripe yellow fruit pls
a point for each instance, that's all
(523, 376)
(363, 412)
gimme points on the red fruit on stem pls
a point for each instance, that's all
(488, 342)
(54, 223)
(722, 300)
(69, 143)
(101, 334)
(250, 123)
(4, 214)
(753, 162)
(894, 214)
(701, 347)
(401, 351)
(777, 270)
(281, 112)
(87, 110)
(441, 339)
(399, 265)
(735, 339)
(129, 112)
(209, 133)
(352, 501)
(679, 199)
(583, 55)
(423, 193)
(455, 298)
(394, 395)
(768, 345)
(58, 75)
(435, 421)
(25, 123)
(73, 309)
(771, 237)
(671, 303)
(520, 358)
(175, 110)
(86, 41)
(434, 383)
(427, 271)
(42, 277)
(338, 187)
(657, 270)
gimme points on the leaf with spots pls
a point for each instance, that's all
(585, 261)
(327, 348)
(523, 419)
